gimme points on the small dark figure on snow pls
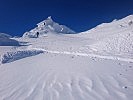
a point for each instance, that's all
(37, 34)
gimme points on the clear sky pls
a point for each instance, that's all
(18, 16)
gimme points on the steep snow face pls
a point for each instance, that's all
(113, 38)
(6, 41)
(48, 26)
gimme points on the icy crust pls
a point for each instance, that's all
(48, 26)
(12, 56)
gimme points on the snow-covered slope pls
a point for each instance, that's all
(106, 29)
(48, 26)
(4, 35)
(112, 38)
(6, 41)
(52, 76)
(84, 66)
(118, 44)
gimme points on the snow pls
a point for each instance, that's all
(12, 56)
(61, 77)
(92, 65)
(4, 35)
(6, 41)
(48, 26)
(121, 43)
(115, 38)
(106, 29)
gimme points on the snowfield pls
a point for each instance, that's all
(92, 65)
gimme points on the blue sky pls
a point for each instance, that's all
(18, 16)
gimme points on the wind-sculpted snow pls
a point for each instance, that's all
(12, 56)
(94, 65)
(51, 76)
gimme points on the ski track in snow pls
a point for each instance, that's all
(86, 55)
(12, 56)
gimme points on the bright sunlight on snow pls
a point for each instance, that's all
(51, 62)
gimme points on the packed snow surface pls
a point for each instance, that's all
(92, 65)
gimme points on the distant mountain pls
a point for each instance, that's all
(4, 35)
(48, 26)
(6, 41)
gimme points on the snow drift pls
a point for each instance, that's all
(12, 56)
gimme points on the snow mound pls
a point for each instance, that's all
(12, 56)
(47, 26)
(6, 41)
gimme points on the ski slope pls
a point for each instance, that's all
(57, 66)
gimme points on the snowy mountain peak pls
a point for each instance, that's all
(50, 18)
(46, 22)
(48, 26)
